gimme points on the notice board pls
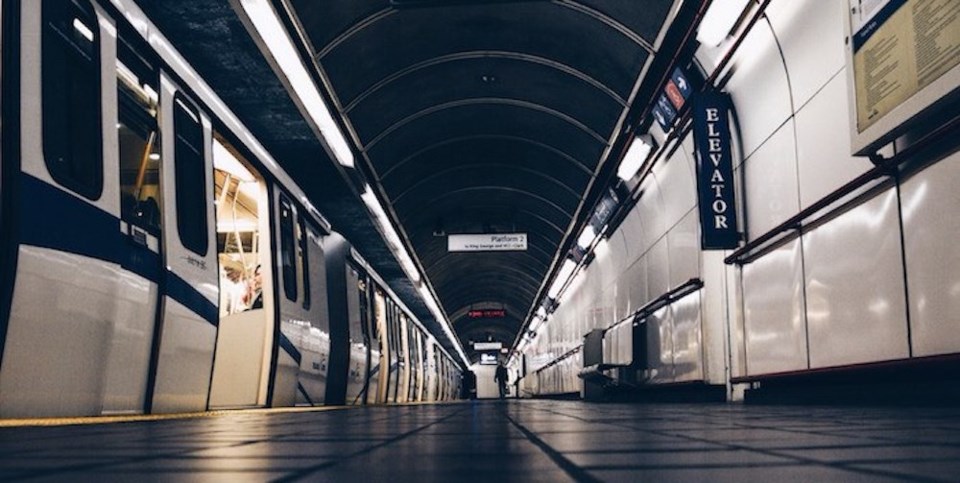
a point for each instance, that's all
(903, 58)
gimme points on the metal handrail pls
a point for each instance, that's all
(658, 303)
(654, 305)
(883, 167)
(559, 359)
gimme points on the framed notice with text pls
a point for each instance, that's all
(903, 61)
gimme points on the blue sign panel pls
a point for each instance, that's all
(711, 133)
(681, 82)
(664, 112)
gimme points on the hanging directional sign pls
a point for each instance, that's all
(711, 132)
(674, 96)
(487, 242)
(664, 112)
(678, 88)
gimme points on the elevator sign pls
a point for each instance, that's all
(711, 131)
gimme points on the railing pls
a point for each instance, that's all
(660, 302)
(795, 224)
(560, 359)
(654, 305)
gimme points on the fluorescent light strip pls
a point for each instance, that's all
(562, 277)
(390, 235)
(719, 20)
(434, 308)
(636, 155)
(275, 37)
(587, 237)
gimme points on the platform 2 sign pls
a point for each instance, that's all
(711, 132)
(488, 242)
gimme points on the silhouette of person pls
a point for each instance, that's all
(501, 378)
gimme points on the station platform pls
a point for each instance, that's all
(530, 440)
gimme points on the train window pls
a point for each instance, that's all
(237, 197)
(364, 306)
(303, 245)
(288, 249)
(139, 146)
(190, 176)
(70, 96)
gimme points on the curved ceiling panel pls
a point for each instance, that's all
(487, 119)
(485, 78)
(479, 116)
(392, 42)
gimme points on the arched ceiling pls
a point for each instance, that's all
(480, 117)
(467, 116)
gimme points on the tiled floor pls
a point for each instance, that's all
(502, 441)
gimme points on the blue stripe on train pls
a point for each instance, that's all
(291, 349)
(59, 221)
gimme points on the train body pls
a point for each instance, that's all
(155, 258)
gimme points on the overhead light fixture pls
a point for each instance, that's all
(271, 31)
(719, 21)
(431, 302)
(390, 235)
(562, 276)
(637, 153)
(587, 237)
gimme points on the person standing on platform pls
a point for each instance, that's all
(501, 378)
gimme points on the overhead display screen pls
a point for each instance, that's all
(903, 53)
(488, 359)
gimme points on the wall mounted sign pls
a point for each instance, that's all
(488, 242)
(905, 58)
(711, 132)
(664, 112)
(674, 96)
(487, 346)
(487, 314)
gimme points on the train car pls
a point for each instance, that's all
(381, 352)
(155, 257)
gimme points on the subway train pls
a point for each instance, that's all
(155, 258)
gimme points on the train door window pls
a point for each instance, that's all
(72, 140)
(304, 239)
(190, 177)
(288, 249)
(365, 325)
(139, 146)
(237, 198)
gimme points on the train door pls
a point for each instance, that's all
(62, 296)
(291, 287)
(373, 344)
(312, 335)
(395, 355)
(391, 366)
(430, 373)
(7, 167)
(356, 288)
(187, 329)
(244, 336)
(403, 389)
(416, 392)
(383, 330)
(442, 377)
(141, 227)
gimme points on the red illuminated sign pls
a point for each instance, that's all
(487, 314)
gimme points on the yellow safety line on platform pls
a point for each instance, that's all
(135, 418)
